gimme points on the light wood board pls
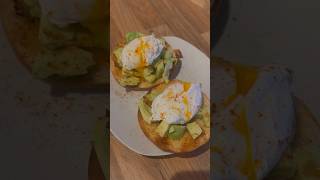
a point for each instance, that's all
(189, 20)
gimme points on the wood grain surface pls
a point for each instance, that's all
(189, 20)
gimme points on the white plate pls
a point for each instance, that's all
(123, 105)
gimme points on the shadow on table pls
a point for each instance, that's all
(191, 175)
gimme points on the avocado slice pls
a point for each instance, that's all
(151, 78)
(153, 94)
(117, 53)
(194, 130)
(148, 71)
(176, 132)
(206, 121)
(162, 129)
(132, 35)
(168, 65)
(145, 111)
(129, 81)
(159, 68)
(129, 73)
(64, 62)
(204, 112)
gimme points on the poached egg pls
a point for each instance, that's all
(141, 52)
(178, 103)
(253, 122)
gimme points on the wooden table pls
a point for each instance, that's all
(189, 20)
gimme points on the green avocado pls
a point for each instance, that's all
(64, 62)
(148, 71)
(151, 78)
(132, 35)
(203, 113)
(176, 132)
(168, 65)
(194, 130)
(129, 81)
(117, 53)
(53, 37)
(153, 94)
(206, 121)
(130, 73)
(162, 129)
(145, 111)
(159, 68)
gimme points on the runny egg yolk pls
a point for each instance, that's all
(186, 87)
(248, 166)
(187, 111)
(245, 79)
(140, 51)
(185, 100)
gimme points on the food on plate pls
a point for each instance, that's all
(59, 38)
(253, 119)
(175, 116)
(143, 61)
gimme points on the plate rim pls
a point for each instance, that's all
(165, 153)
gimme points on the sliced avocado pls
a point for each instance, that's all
(151, 78)
(168, 65)
(159, 68)
(117, 53)
(129, 81)
(132, 35)
(153, 94)
(53, 36)
(203, 115)
(194, 129)
(64, 62)
(145, 111)
(176, 131)
(168, 54)
(206, 121)
(129, 73)
(148, 71)
(162, 128)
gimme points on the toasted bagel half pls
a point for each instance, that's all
(23, 35)
(144, 85)
(186, 143)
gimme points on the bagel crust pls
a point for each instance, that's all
(23, 35)
(143, 85)
(186, 143)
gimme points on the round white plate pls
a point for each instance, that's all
(124, 108)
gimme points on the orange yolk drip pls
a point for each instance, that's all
(245, 77)
(140, 51)
(186, 87)
(248, 166)
(185, 101)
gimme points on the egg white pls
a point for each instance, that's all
(268, 119)
(141, 52)
(178, 103)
